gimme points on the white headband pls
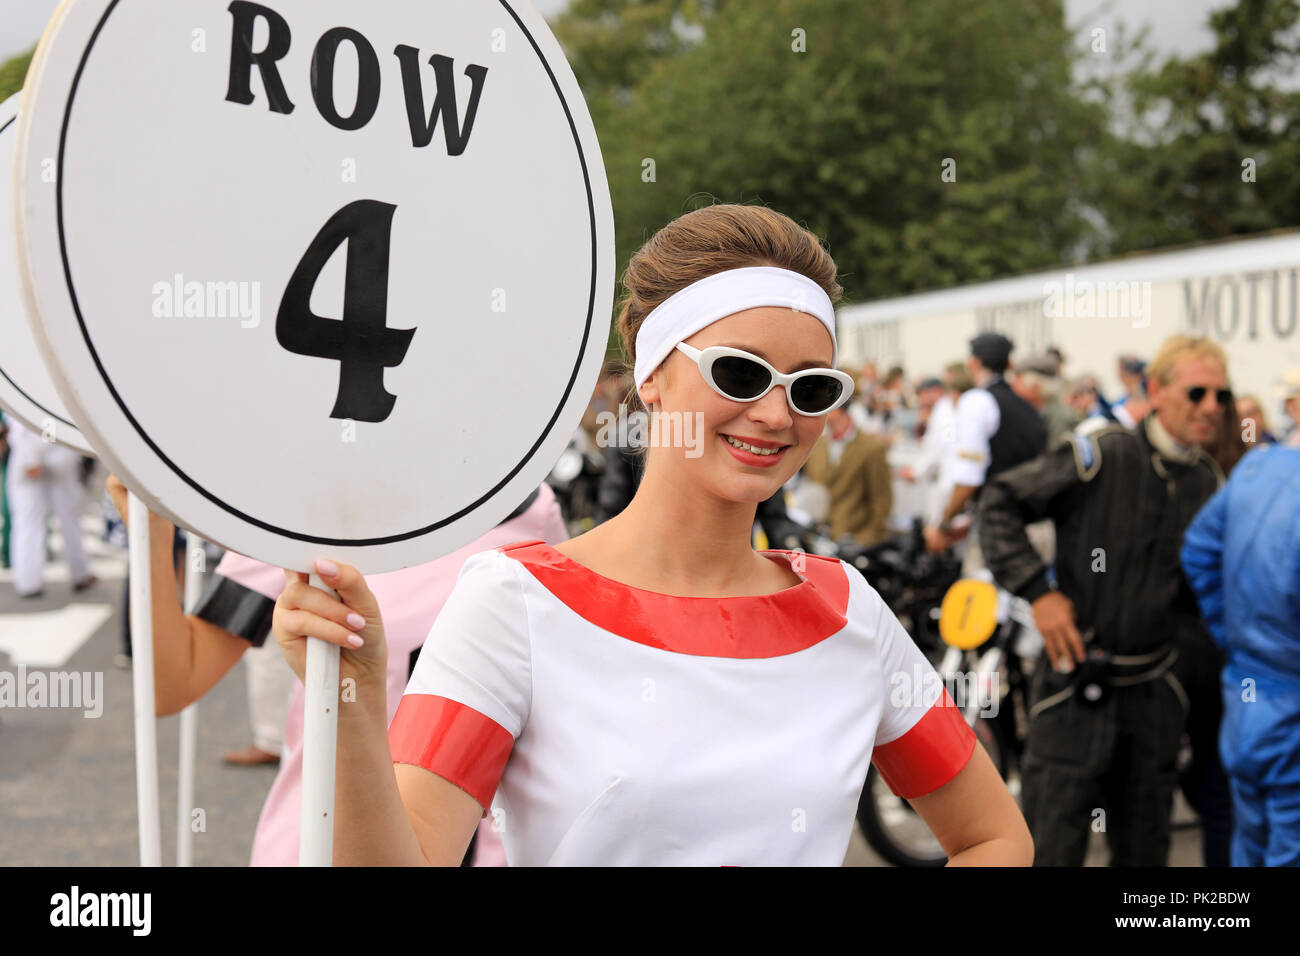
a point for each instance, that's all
(714, 297)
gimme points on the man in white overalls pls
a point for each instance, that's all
(42, 476)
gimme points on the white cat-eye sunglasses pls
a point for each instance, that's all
(742, 377)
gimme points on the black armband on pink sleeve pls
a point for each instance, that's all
(237, 609)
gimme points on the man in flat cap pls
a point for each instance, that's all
(996, 429)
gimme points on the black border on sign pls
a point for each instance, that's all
(5, 375)
(299, 536)
(18, 388)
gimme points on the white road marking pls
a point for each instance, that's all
(49, 638)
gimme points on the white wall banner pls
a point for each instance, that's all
(1242, 293)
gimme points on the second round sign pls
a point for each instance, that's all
(318, 278)
(26, 391)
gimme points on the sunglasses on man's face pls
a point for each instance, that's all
(1197, 394)
(742, 377)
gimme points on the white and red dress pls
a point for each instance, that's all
(602, 724)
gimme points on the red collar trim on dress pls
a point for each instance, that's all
(766, 625)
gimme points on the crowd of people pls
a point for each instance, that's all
(916, 419)
(1170, 596)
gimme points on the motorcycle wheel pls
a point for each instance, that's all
(895, 831)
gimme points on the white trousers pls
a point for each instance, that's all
(30, 502)
(270, 682)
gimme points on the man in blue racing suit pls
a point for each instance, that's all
(1249, 529)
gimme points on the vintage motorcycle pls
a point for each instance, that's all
(986, 636)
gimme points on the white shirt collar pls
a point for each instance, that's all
(1167, 445)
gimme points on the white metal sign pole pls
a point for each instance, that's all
(142, 697)
(319, 746)
(189, 727)
(185, 786)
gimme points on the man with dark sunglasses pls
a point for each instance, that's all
(1115, 611)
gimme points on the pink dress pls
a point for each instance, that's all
(409, 600)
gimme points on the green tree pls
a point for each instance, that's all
(842, 115)
(611, 43)
(1213, 141)
(611, 46)
(13, 73)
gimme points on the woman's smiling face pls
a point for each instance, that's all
(789, 341)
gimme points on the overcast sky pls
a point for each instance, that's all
(1177, 25)
(21, 22)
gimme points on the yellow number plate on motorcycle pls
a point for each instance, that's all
(969, 614)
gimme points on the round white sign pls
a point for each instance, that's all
(26, 390)
(317, 278)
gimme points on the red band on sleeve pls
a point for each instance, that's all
(452, 740)
(930, 754)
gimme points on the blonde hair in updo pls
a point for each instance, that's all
(711, 240)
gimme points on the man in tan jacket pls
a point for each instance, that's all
(852, 466)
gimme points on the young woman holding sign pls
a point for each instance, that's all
(655, 691)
